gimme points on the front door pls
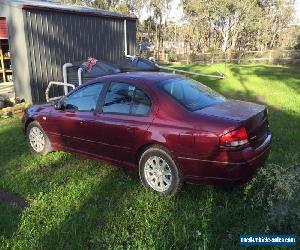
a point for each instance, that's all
(68, 125)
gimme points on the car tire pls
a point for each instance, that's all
(37, 139)
(159, 171)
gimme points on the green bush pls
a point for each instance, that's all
(192, 58)
(171, 56)
(279, 194)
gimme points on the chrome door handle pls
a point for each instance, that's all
(130, 129)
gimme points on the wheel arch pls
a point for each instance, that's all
(29, 120)
(144, 147)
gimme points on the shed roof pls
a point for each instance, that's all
(48, 5)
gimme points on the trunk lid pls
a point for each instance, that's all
(250, 115)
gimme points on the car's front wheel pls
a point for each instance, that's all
(37, 139)
(159, 171)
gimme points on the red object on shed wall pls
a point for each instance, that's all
(3, 29)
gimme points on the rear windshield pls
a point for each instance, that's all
(191, 94)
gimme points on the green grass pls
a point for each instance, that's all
(75, 203)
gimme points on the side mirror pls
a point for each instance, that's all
(59, 105)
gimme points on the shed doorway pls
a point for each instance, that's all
(6, 72)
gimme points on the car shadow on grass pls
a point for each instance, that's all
(10, 217)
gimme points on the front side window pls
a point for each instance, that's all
(191, 94)
(84, 99)
(123, 98)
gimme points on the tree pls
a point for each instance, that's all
(234, 24)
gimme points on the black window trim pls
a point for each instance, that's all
(83, 87)
(129, 114)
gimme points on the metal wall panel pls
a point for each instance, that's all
(131, 37)
(56, 38)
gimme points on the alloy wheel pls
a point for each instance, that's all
(36, 139)
(158, 173)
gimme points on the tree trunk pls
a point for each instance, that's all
(225, 41)
(273, 40)
(233, 45)
(156, 41)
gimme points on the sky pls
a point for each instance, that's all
(297, 9)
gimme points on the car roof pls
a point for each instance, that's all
(138, 78)
(144, 77)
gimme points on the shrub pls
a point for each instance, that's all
(279, 194)
(192, 58)
(171, 56)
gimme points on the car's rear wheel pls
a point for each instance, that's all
(37, 139)
(159, 171)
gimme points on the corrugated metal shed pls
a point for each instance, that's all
(45, 35)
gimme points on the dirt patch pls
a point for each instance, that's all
(13, 199)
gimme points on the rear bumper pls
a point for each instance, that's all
(227, 168)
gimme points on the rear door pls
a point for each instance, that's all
(123, 121)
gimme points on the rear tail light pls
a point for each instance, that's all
(234, 138)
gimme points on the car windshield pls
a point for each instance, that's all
(191, 94)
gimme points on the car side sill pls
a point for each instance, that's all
(96, 157)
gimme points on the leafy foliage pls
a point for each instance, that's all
(279, 194)
(238, 25)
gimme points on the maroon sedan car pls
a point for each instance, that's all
(172, 129)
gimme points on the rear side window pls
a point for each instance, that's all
(118, 98)
(191, 94)
(123, 98)
(84, 99)
(141, 103)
